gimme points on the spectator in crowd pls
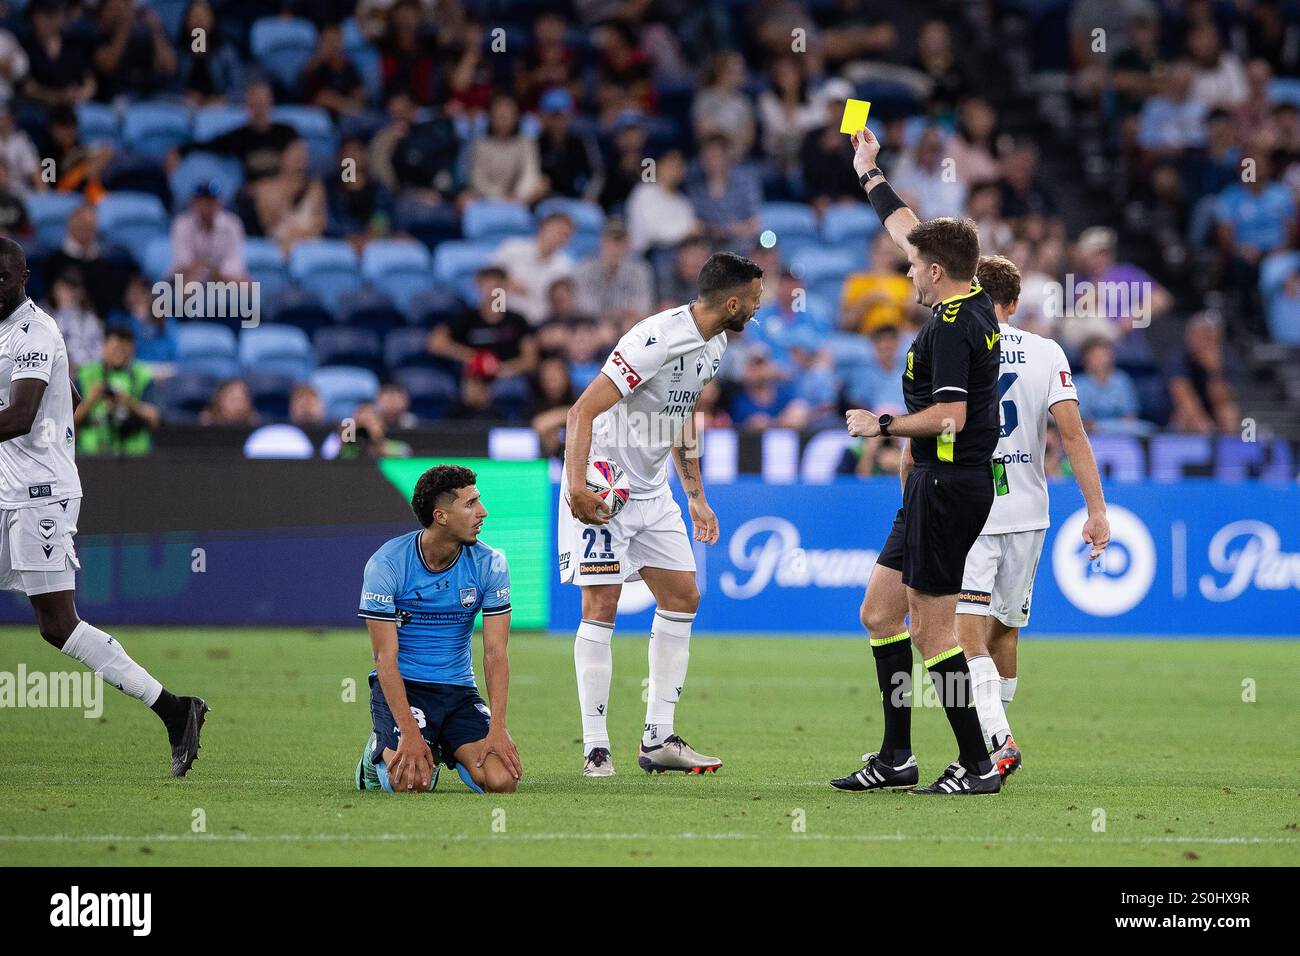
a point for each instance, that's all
(570, 161)
(73, 313)
(418, 157)
(18, 154)
(532, 264)
(132, 55)
(475, 401)
(624, 169)
(678, 284)
(623, 69)
(1108, 399)
(306, 408)
(777, 324)
(812, 369)
(366, 437)
(1110, 293)
(1219, 78)
(60, 72)
(924, 177)
(882, 295)
(550, 64)
(406, 55)
(878, 385)
(727, 198)
(826, 156)
(1201, 381)
(330, 80)
(13, 213)
(973, 146)
(562, 303)
(207, 240)
(503, 163)
(393, 406)
(1137, 67)
(79, 167)
(721, 108)
(765, 398)
(614, 284)
(877, 457)
(488, 341)
(788, 113)
(1023, 195)
(153, 336)
(207, 73)
(1208, 170)
(659, 214)
(586, 347)
(984, 208)
(401, 120)
(554, 395)
(1173, 119)
(259, 145)
(290, 205)
(231, 406)
(13, 65)
(359, 208)
(1253, 219)
(81, 251)
(473, 78)
(116, 415)
(936, 59)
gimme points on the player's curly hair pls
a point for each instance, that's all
(434, 484)
(1000, 278)
(724, 272)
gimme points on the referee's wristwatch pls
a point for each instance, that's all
(869, 175)
(884, 421)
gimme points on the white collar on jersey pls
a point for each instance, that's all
(18, 308)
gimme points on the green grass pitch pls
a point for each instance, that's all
(1150, 738)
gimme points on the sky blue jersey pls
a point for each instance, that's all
(434, 610)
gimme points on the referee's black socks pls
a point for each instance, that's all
(952, 680)
(894, 674)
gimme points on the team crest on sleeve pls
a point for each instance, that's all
(468, 596)
(630, 375)
(1067, 380)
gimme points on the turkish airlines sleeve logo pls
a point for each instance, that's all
(630, 375)
(1067, 381)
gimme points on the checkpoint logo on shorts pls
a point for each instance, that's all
(599, 567)
(630, 375)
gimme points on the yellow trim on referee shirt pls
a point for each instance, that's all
(944, 445)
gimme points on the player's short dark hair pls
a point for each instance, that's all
(435, 484)
(952, 243)
(1000, 279)
(723, 272)
(12, 256)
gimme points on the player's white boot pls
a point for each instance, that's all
(598, 763)
(676, 754)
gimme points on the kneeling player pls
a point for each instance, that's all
(420, 595)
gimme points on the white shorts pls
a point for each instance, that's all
(999, 576)
(36, 551)
(647, 533)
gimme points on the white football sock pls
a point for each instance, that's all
(670, 652)
(105, 657)
(593, 661)
(1008, 690)
(984, 682)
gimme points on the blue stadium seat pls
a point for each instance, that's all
(211, 121)
(348, 345)
(402, 268)
(157, 259)
(431, 391)
(455, 261)
(154, 128)
(208, 348)
(406, 348)
(365, 57)
(327, 267)
(369, 309)
(183, 395)
(49, 215)
(342, 388)
(134, 173)
(282, 46)
(98, 123)
(431, 224)
(294, 307)
(510, 397)
(315, 126)
(199, 168)
(849, 223)
(172, 13)
(789, 220)
(132, 219)
(440, 304)
(282, 349)
(491, 220)
(587, 216)
(583, 245)
(816, 264)
(270, 391)
(1284, 90)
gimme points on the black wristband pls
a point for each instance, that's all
(885, 201)
(869, 175)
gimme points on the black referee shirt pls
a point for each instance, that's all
(955, 357)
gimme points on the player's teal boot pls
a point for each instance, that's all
(371, 776)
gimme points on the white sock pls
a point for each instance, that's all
(1008, 690)
(670, 652)
(105, 657)
(984, 682)
(593, 661)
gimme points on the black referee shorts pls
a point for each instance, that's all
(944, 510)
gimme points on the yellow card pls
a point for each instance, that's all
(855, 115)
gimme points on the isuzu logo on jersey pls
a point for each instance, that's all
(630, 375)
(32, 359)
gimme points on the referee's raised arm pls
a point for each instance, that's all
(895, 215)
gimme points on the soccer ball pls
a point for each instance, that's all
(608, 483)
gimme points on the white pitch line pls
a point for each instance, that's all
(598, 837)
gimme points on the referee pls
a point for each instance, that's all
(950, 388)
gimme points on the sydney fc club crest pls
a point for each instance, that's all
(468, 596)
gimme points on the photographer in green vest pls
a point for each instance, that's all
(115, 416)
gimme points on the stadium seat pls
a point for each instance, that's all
(270, 391)
(154, 128)
(369, 309)
(282, 46)
(348, 345)
(49, 215)
(211, 121)
(207, 348)
(793, 224)
(453, 262)
(172, 13)
(407, 348)
(435, 307)
(315, 126)
(491, 220)
(299, 308)
(185, 394)
(156, 260)
(327, 267)
(197, 168)
(587, 216)
(816, 264)
(365, 57)
(1284, 89)
(97, 123)
(277, 348)
(402, 268)
(132, 219)
(510, 397)
(430, 390)
(343, 387)
(431, 224)
(849, 223)
(583, 245)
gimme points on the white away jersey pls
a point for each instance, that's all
(38, 467)
(1034, 375)
(659, 367)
